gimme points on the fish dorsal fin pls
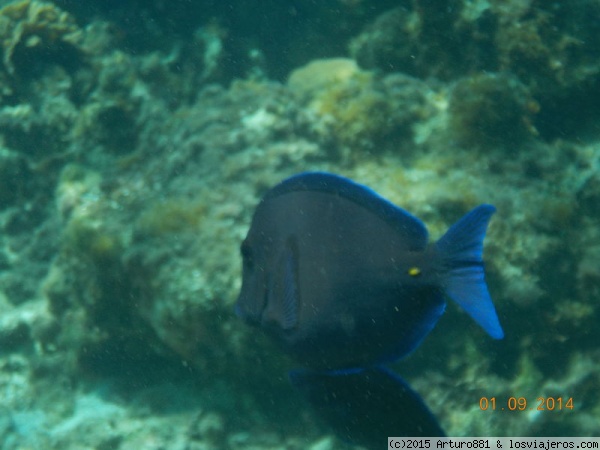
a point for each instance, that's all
(283, 295)
(407, 225)
(461, 249)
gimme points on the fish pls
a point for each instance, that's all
(346, 282)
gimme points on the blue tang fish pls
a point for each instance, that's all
(347, 282)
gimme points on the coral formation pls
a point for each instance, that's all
(13, 174)
(550, 48)
(362, 111)
(491, 109)
(132, 155)
(35, 33)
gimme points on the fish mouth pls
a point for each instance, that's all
(251, 312)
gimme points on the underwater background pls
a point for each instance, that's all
(137, 137)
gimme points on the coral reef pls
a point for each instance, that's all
(363, 112)
(132, 155)
(491, 109)
(550, 48)
(36, 32)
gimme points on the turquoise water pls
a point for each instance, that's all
(137, 138)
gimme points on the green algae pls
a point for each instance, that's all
(172, 216)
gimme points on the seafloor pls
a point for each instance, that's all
(136, 137)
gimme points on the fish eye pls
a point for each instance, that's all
(414, 271)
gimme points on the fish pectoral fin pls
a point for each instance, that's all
(283, 301)
(365, 406)
(461, 248)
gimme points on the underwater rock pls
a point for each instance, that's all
(321, 74)
(550, 47)
(34, 33)
(429, 39)
(491, 109)
(588, 196)
(588, 275)
(41, 51)
(553, 49)
(141, 177)
(389, 43)
(14, 172)
(359, 109)
(153, 239)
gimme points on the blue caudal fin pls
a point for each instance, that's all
(365, 406)
(461, 249)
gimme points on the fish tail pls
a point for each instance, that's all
(363, 406)
(461, 249)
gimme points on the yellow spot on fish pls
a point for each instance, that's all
(414, 271)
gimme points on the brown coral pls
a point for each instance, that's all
(28, 27)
